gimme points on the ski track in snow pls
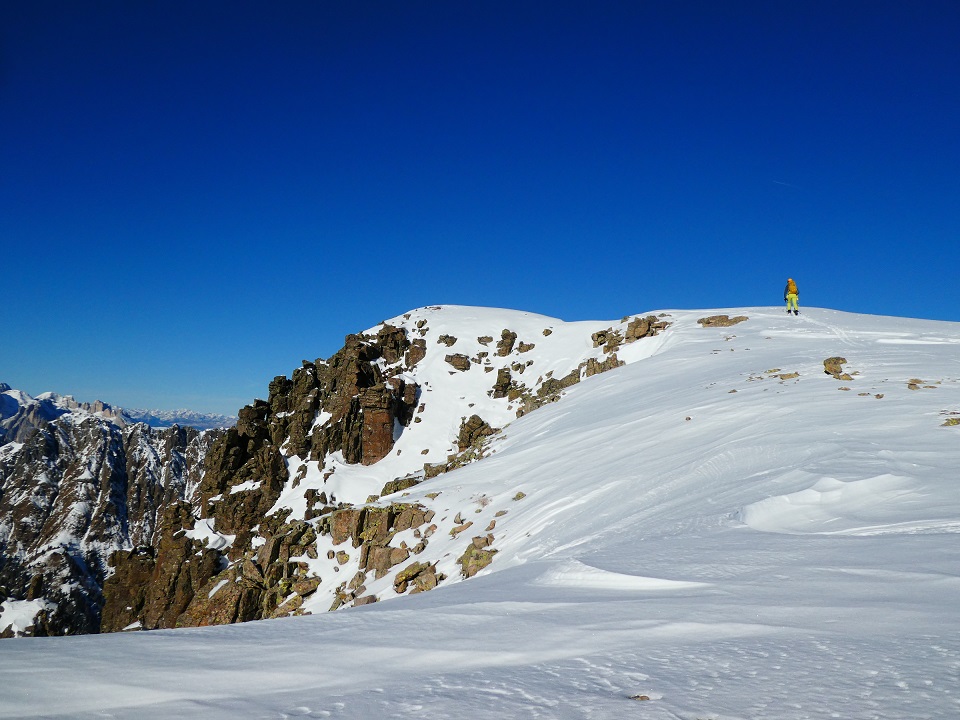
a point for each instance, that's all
(786, 551)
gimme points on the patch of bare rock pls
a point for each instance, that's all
(834, 366)
(721, 320)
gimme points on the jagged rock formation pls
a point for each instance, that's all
(276, 515)
(473, 430)
(246, 472)
(505, 345)
(159, 581)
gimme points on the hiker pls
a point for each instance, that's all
(791, 296)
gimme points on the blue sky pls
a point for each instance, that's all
(197, 195)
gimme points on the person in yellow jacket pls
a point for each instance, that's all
(791, 295)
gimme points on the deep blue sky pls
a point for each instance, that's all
(194, 196)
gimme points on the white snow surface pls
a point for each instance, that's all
(204, 531)
(786, 551)
(18, 615)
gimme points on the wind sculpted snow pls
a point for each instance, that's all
(718, 529)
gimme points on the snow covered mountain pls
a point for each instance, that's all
(78, 481)
(21, 414)
(753, 517)
(182, 417)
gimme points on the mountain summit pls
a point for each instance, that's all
(648, 506)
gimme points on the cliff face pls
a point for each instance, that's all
(359, 405)
(77, 490)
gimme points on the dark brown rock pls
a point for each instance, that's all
(459, 361)
(505, 344)
(473, 430)
(422, 576)
(346, 524)
(393, 343)
(416, 353)
(502, 386)
(378, 406)
(399, 484)
(155, 587)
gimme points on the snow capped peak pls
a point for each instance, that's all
(21, 414)
(183, 417)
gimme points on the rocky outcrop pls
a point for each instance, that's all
(416, 353)
(609, 338)
(834, 366)
(152, 586)
(270, 581)
(361, 402)
(472, 442)
(505, 344)
(350, 404)
(643, 327)
(370, 531)
(458, 361)
(595, 367)
(502, 386)
(399, 484)
(473, 431)
(214, 539)
(721, 320)
(417, 577)
(638, 328)
(477, 556)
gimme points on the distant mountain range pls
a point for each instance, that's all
(21, 414)
(183, 417)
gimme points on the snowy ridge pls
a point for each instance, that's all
(448, 396)
(718, 529)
